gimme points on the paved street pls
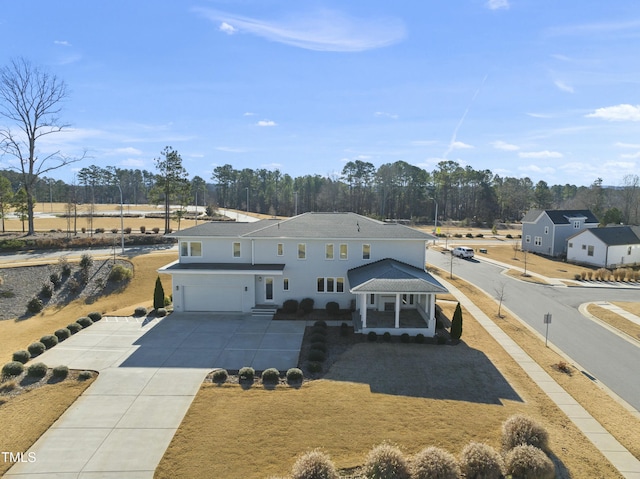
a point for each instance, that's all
(603, 354)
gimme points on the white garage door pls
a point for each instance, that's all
(212, 298)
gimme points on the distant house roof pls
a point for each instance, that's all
(561, 217)
(392, 276)
(309, 226)
(616, 235)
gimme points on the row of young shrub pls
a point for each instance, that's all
(268, 376)
(604, 274)
(35, 370)
(523, 458)
(419, 338)
(318, 350)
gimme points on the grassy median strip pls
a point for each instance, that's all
(615, 320)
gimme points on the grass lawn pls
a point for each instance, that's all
(616, 320)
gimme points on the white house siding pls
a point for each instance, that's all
(578, 249)
(621, 255)
(217, 250)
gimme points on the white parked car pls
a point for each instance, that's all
(462, 252)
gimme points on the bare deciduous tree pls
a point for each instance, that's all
(500, 296)
(31, 99)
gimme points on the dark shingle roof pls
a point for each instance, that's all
(617, 235)
(310, 226)
(176, 266)
(392, 276)
(561, 217)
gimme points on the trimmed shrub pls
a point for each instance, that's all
(306, 305)
(49, 340)
(314, 465)
(456, 323)
(333, 308)
(294, 375)
(36, 349)
(320, 325)
(482, 461)
(372, 336)
(161, 312)
(143, 229)
(94, 316)
(405, 338)
(529, 462)
(246, 373)
(60, 372)
(37, 370)
(84, 375)
(158, 294)
(314, 366)
(420, 338)
(434, 463)
(140, 311)
(56, 280)
(290, 306)
(220, 376)
(86, 261)
(155, 229)
(385, 462)
(114, 230)
(12, 368)
(62, 334)
(316, 355)
(321, 346)
(74, 327)
(386, 337)
(127, 230)
(577, 276)
(317, 337)
(21, 356)
(270, 376)
(35, 305)
(84, 321)
(344, 329)
(120, 273)
(521, 430)
(47, 290)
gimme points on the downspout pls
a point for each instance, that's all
(253, 252)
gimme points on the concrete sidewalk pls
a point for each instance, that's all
(149, 374)
(615, 452)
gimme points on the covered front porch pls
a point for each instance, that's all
(394, 297)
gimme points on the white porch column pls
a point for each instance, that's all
(397, 310)
(363, 309)
(432, 308)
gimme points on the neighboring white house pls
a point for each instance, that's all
(341, 257)
(608, 247)
(546, 231)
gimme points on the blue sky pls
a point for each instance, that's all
(536, 88)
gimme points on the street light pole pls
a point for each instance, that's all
(121, 218)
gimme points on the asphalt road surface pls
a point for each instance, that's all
(612, 360)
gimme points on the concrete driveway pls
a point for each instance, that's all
(150, 372)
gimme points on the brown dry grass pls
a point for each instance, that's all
(633, 308)
(15, 335)
(26, 417)
(616, 320)
(231, 432)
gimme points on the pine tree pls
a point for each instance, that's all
(158, 295)
(456, 324)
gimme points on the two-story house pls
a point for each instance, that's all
(546, 231)
(343, 257)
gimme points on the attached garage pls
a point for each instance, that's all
(208, 298)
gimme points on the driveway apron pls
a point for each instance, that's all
(150, 371)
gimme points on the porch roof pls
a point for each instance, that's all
(219, 268)
(392, 276)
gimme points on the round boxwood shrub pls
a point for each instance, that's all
(333, 308)
(433, 462)
(95, 316)
(372, 336)
(37, 370)
(314, 367)
(317, 338)
(84, 321)
(480, 460)
(47, 290)
(120, 273)
(271, 376)
(49, 340)
(35, 305)
(140, 311)
(294, 375)
(344, 329)
(529, 462)
(320, 325)
(12, 368)
(22, 356)
(246, 373)
(161, 312)
(290, 306)
(220, 376)
(60, 372)
(84, 375)
(420, 338)
(306, 305)
(521, 430)
(321, 346)
(36, 349)
(62, 334)
(386, 337)
(405, 338)
(74, 327)
(316, 355)
(314, 465)
(385, 462)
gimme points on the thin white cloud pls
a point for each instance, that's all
(424, 142)
(266, 123)
(630, 156)
(248, 113)
(623, 112)
(563, 86)
(539, 115)
(231, 149)
(459, 145)
(226, 28)
(547, 170)
(540, 154)
(134, 163)
(503, 145)
(627, 145)
(384, 114)
(324, 30)
(497, 4)
(272, 166)
(595, 28)
(126, 151)
(62, 43)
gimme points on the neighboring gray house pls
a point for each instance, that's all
(607, 247)
(356, 261)
(546, 231)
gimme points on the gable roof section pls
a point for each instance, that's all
(561, 217)
(616, 235)
(392, 276)
(532, 216)
(309, 226)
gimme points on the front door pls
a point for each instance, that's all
(268, 289)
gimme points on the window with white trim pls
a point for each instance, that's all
(236, 249)
(302, 251)
(546, 230)
(527, 239)
(328, 251)
(366, 251)
(576, 224)
(330, 285)
(344, 251)
(191, 248)
(537, 241)
(285, 284)
(590, 250)
(280, 249)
